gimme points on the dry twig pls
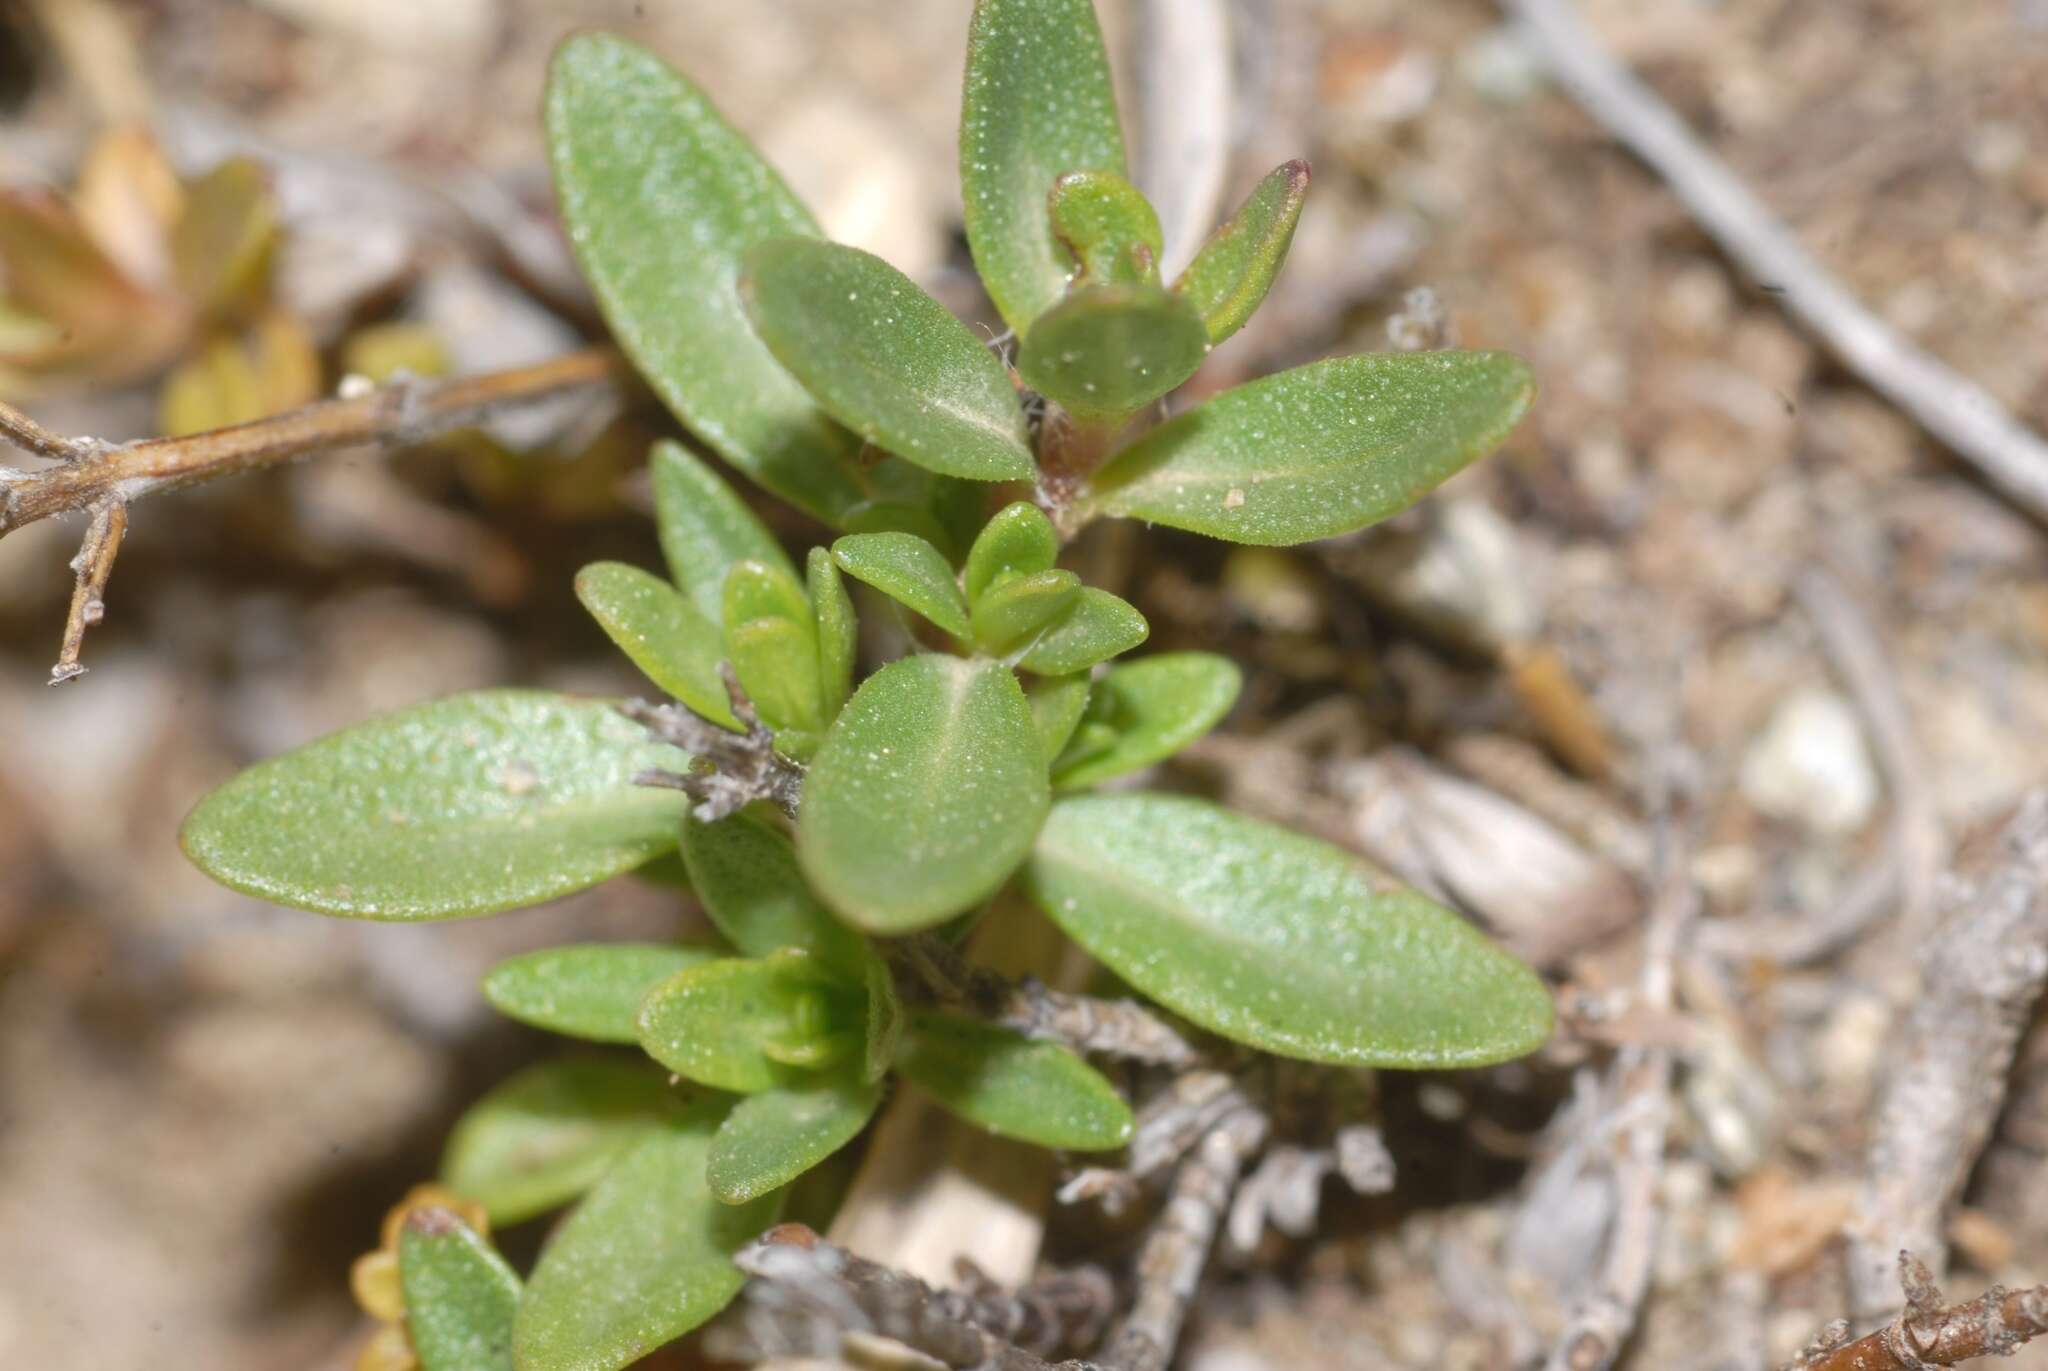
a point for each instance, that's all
(95, 476)
(1954, 409)
(745, 766)
(1984, 967)
(1926, 1333)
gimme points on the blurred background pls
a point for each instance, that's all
(206, 1104)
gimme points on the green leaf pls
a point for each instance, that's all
(925, 795)
(1057, 704)
(746, 874)
(1037, 104)
(1156, 706)
(1109, 227)
(1279, 941)
(460, 1296)
(837, 628)
(643, 1260)
(1021, 606)
(705, 528)
(1107, 351)
(676, 647)
(586, 990)
(761, 590)
(1235, 268)
(748, 1025)
(884, 1021)
(1097, 628)
(886, 359)
(772, 1138)
(907, 569)
(1019, 541)
(1320, 450)
(776, 661)
(544, 1136)
(469, 805)
(661, 199)
(1002, 1081)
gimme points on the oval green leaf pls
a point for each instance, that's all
(772, 1138)
(675, 646)
(1156, 707)
(1109, 227)
(644, 1259)
(748, 1025)
(1107, 351)
(1057, 706)
(1018, 541)
(705, 527)
(776, 661)
(466, 806)
(838, 631)
(460, 1296)
(1320, 450)
(1022, 605)
(587, 990)
(1037, 104)
(1095, 629)
(908, 570)
(746, 874)
(1279, 941)
(925, 795)
(886, 359)
(1002, 1081)
(540, 1138)
(661, 199)
(1235, 268)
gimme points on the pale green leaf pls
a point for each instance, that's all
(661, 199)
(776, 661)
(1057, 706)
(1109, 227)
(909, 570)
(1022, 605)
(1156, 707)
(469, 805)
(884, 1022)
(1004, 1082)
(837, 628)
(1018, 541)
(586, 990)
(925, 795)
(1038, 103)
(705, 527)
(644, 1259)
(1095, 629)
(772, 1138)
(886, 359)
(1236, 267)
(1279, 941)
(1320, 450)
(539, 1139)
(746, 874)
(460, 1296)
(675, 646)
(762, 590)
(748, 1025)
(1107, 351)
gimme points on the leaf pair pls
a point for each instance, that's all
(790, 643)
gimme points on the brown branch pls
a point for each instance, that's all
(1926, 1333)
(104, 478)
(745, 767)
(1117, 1028)
(811, 1298)
(1985, 965)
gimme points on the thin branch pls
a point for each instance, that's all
(104, 478)
(1926, 1333)
(745, 766)
(1117, 1028)
(1984, 968)
(1954, 409)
